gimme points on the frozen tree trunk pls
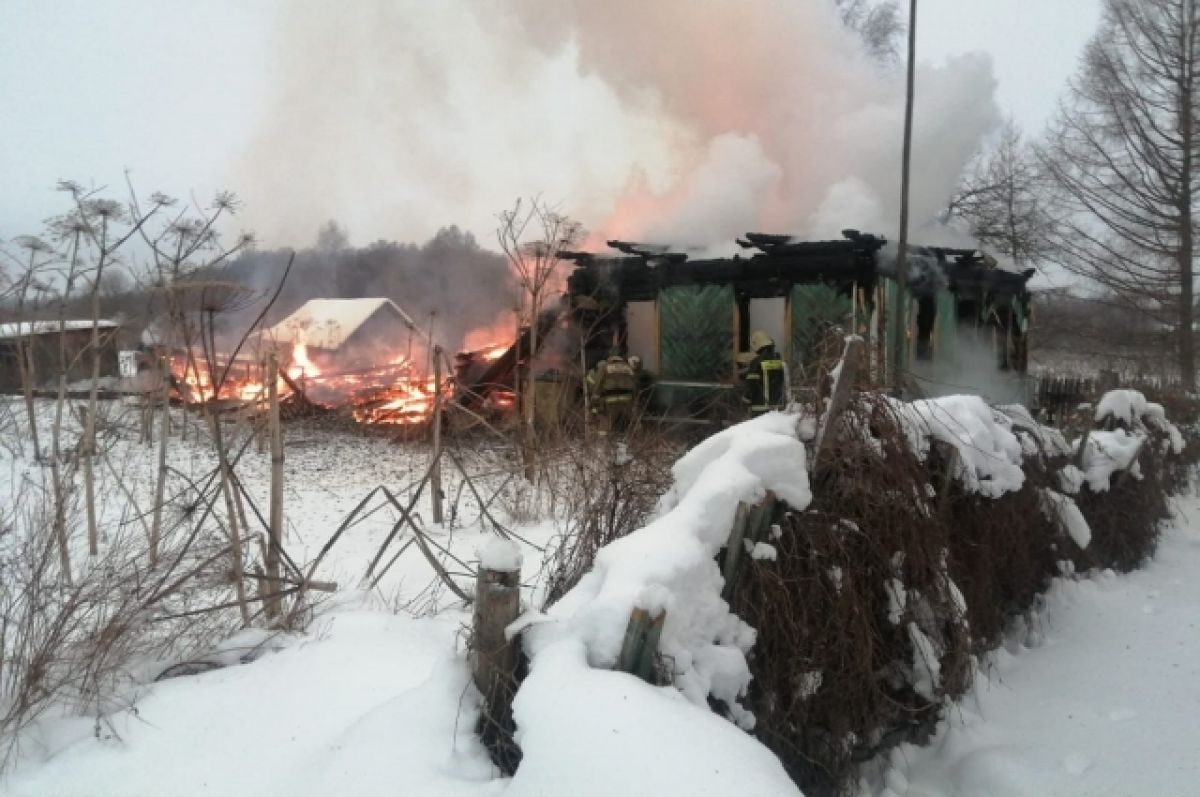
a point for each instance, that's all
(275, 541)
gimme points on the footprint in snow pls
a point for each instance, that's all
(1077, 764)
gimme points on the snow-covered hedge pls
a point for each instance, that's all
(670, 565)
(878, 550)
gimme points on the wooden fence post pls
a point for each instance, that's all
(641, 643)
(271, 606)
(435, 475)
(493, 656)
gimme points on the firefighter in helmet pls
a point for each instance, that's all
(763, 376)
(611, 386)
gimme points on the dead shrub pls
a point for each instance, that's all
(604, 489)
(836, 669)
(882, 551)
(79, 645)
(1126, 519)
(1003, 554)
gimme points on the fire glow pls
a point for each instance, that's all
(393, 393)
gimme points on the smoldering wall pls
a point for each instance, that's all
(675, 121)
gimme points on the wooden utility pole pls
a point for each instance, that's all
(435, 474)
(899, 353)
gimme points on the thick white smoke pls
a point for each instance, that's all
(669, 120)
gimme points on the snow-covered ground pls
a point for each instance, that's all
(1099, 696)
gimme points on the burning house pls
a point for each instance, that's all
(688, 319)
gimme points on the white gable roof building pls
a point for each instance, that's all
(334, 323)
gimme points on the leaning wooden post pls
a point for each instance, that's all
(494, 656)
(733, 549)
(435, 475)
(271, 606)
(838, 399)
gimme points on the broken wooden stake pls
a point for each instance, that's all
(751, 525)
(640, 647)
(493, 654)
(733, 548)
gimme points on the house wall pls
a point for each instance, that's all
(45, 355)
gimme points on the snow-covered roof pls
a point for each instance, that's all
(24, 328)
(328, 323)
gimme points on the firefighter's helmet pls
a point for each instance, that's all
(760, 340)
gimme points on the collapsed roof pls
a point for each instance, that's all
(774, 262)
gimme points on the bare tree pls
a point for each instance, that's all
(1122, 157)
(1000, 200)
(877, 22)
(532, 234)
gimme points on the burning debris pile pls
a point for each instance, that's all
(363, 358)
(390, 393)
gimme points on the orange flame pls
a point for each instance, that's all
(301, 366)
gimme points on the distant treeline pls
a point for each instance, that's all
(450, 275)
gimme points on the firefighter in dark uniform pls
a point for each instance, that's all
(764, 376)
(611, 386)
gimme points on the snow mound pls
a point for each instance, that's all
(500, 554)
(585, 731)
(1035, 438)
(669, 565)
(1105, 453)
(989, 453)
(1060, 509)
(1131, 408)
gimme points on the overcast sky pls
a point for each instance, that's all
(174, 90)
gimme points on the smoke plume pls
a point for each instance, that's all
(670, 120)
